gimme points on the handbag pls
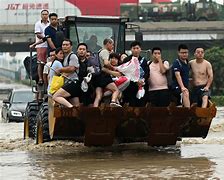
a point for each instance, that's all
(56, 83)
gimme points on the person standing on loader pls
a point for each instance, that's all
(202, 75)
(181, 73)
(53, 33)
(158, 94)
(41, 48)
(131, 91)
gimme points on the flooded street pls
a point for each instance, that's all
(190, 159)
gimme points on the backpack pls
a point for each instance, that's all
(169, 73)
(94, 61)
(33, 69)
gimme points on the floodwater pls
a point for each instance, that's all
(190, 159)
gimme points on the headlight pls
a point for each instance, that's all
(16, 113)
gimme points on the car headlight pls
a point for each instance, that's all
(16, 113)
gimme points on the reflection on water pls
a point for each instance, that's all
(136, 161)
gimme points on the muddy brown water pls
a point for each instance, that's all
(190, 159)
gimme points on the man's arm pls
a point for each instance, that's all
(72, 66)
(164, 66)
(50, 43)
(179, 81)
(113, 73)
(38, 31)
(39, 35)
(49, 40)
(210, 76)
(104, 56)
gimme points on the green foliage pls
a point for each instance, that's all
(218, 100)
(215, 56)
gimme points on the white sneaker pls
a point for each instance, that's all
(114, 104)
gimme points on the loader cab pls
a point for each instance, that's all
(93, 30)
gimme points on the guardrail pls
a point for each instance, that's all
(5, 91)
(9, 74)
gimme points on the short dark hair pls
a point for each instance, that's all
(107, 40)
(52, 50)
(66, 39)
(44, 10)
(82, 44)
(114, 55)
(135, 43)
(182, 46)
(156, 48)
(197, 48)
(53, 14)
(57, 50)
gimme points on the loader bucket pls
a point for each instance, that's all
(64, 123)
(100, 125)
(199, 124)
(133, 126)
(165, 124)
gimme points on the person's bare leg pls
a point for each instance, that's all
(186, 99)
(60, 96)
(204, 102)
(99, 94)
(115, 91)
(40, 67)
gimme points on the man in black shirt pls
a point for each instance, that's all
(132, 89)
(53, 33)
(85, 97)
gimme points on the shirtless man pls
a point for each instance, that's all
(202, 77)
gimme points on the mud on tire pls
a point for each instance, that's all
(42, 127)
(30, 119)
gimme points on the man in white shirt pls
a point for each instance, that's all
(41, 48)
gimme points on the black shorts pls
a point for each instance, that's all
(102, 80)
(197, 94)
(159, 98)
(175, 96)
(73, 88)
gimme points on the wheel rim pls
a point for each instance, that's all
(26, 128)
(40, 138)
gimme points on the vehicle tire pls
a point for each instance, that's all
(42, 127)
(30, 119)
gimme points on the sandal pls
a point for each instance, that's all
(114, 104)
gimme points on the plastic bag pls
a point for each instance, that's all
(86, 80)
(121, 82)
(130, 69)
(141, 92)
(56, 83)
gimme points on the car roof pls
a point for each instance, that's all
(21, 90)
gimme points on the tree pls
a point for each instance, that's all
(215, 56)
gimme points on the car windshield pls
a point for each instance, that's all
(22, 97)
